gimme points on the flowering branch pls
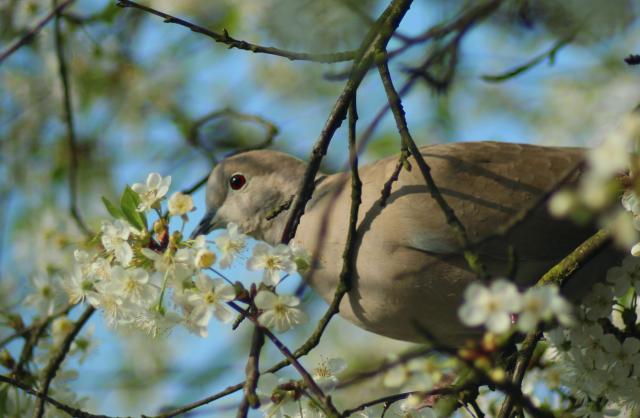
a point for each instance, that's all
(34, 31)
(306, 377)
(226, 39)
(557, 275)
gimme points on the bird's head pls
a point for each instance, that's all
(252, 189)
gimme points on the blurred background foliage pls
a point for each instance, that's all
(139, 87)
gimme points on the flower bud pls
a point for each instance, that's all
(159, 226)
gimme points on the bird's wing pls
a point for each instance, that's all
(488, 185)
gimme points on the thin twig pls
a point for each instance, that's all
(522, 68)
(35, 325)
(74, 412)
(382, 368)
(34, 31)
(71, 132)
(57, 357)
(27, 350)
(198, 184)
(226, 39)
(385, 399)
(473, 259)
(463, 23)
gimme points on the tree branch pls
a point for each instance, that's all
(473, 259)
(34, 31)
(57, 357)
(226, 39)
(74, 412)
(34, 326)
(71, 133)
(252, 371)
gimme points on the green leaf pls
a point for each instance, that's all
(129, 204)
(112, 209)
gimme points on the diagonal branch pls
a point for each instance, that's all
(74, 412)
(377, 38)
(57, 357)
(34, 31)
(226, 39)
(473, 259)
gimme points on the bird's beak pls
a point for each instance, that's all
(206, 225)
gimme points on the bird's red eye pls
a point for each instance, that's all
(237, 181)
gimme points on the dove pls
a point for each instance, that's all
(410, 272)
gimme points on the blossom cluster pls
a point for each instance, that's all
(154, 279)
(501, 305)
(598, 360)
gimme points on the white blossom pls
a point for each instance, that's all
(152, 191)
(175, 266)
(133, 285)
(279, 311)
(210, 298)
(78, 286)
(204, 259)
(300, 256)
(180, 204)
(411, 408)
(273, 260)
(541, 304)
(282, 406)
(626, 353)
(230, 243)
(112, 305)
(114, 239)
(324, 374)
(47, 295)
(490, 306)
(599, 302)
(155, 322)
(60, 328)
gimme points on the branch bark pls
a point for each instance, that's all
(226, 39)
